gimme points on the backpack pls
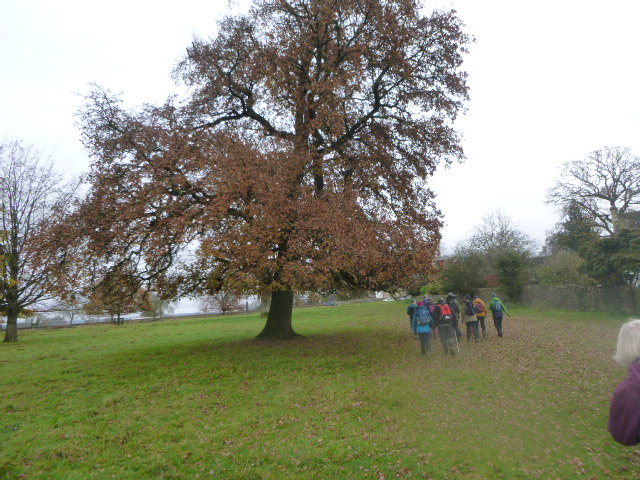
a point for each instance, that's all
(411, 308)
(446, 314)
(422, 317)
(496, 306)
(479, 307)
(432, 308)
(469, 308)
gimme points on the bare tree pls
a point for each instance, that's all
(498, 234)
(32, 198)
(604, 185)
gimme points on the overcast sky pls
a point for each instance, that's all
(550, 80)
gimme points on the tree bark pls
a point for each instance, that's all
(11, 334)
(278, 324)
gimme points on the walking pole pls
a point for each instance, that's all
(455, 335)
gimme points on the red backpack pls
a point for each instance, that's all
(446, 314)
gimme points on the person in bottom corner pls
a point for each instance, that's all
(497, 312)
(469, 318)
(481, 314)
(421, 325)
(624, 412)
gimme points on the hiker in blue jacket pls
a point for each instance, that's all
(497, 311)
(421, 324)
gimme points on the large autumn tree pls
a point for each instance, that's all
(297, 161)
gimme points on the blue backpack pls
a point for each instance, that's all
(422, 317)
(496, 306)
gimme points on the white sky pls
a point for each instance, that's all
(551, 80)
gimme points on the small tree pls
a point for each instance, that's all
(32, 199)
(498, 253)
(464, 272)
(512, 272)
(116, 294)
(153, 305)
(71, 307)
(220, 301)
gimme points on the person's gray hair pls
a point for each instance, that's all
(628, 348)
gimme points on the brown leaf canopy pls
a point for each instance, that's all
(298, 159)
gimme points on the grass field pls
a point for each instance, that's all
(352, 399)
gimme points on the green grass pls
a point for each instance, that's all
(200, 398)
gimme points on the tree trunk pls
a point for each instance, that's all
(11, 334)
(278, 324)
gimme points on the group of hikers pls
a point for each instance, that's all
(441, 320)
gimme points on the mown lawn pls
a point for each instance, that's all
(352, 399)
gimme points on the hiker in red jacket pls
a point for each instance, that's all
(624, 413)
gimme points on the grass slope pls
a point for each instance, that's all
(353, 399)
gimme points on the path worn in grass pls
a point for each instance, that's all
(353, 399)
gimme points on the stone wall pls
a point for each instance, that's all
(625, 299)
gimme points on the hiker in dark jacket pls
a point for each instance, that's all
(421, 325)
(443, 320)
(624, 412)
(455, 308)
(410, 311)
(470, 319)
(497, 312)
(432, 308)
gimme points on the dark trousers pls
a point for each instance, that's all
(472, 327)
(446, 332)
(425, 342)
(497, 322)
(483, 326)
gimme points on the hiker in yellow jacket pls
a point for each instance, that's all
(481, 314)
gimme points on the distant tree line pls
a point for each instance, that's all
(596, 241)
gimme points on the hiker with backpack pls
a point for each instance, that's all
(411, 309)
(421, 325)
(443, 320)
(469, 317)
(431, 307)
(497, 312)
(481, 314)
(455, 309)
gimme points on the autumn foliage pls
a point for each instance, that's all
(297, 161)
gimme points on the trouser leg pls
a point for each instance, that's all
(474, 328)
(443, 333)
(483, 326)
(424, 342)
(497, 321)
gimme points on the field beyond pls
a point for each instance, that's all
(200, 398)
